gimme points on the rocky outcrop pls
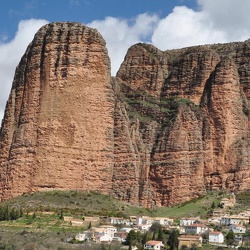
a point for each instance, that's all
(170, 126)
(192, 115)
(58, 126)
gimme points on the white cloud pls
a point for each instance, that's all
(185, 27)
(120, 34)
(11, 54)
(217, 21)
(231, 17)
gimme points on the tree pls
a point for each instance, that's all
(21, 212)
(13, 214)
(160, 235)
(7, 213)
(146, 237)
(213, 205)
(230, 238)
(34, 215)
(193, 247)
(153, 238)
(61, 215)
(184, 247)
(155, 227)
(173, 241)
(131, 238)
(130, 247)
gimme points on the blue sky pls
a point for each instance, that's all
(85, 11)
(167, 24)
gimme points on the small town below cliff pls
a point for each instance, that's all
(139, 155)
(224, 223)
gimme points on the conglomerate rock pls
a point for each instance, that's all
(170, 126)
(57, 131)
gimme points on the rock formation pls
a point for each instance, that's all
(57, 131)
(170, 126)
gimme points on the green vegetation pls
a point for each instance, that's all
(10, 214)
(243, 198)
(173, 240)
(73, 203)
(79, 204)
(230, 238)
(196, 207)
(146, 108)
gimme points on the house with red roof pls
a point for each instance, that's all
(153, 245)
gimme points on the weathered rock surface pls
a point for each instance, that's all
(57, 131)
(192, 115)
(170, 126)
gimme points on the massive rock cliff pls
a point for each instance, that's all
(170, 126)
(57, 131)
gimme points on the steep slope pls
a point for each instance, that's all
(195, 103)
(170, 126)
(57, 131)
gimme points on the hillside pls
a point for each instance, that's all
(41, 226)
(92, 203)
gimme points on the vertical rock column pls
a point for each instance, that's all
(60, 112)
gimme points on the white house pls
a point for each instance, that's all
(237, 228)
(153, 245)
(120, 221)
(196, 229)
(125, 229)
(109, 230)
(216, 237)
(233, 219)
(143, 227)
(163, 221)
(117, 220)
(144, 220)
(80, 236)
(239, 219)
(103, 238)
(225, 221)
(187, 221)
(215, 220)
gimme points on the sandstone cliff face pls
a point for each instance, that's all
(170, 126)
(58, 126)
(198, 122)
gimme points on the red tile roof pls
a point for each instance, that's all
(153, 242)
(214, 232)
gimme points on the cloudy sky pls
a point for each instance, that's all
(167, 24)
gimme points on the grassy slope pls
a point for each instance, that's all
(84, 204)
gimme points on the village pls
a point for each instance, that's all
(221, 229)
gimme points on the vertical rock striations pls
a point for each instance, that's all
(191, 112)
(170, 126)
(58, 126)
